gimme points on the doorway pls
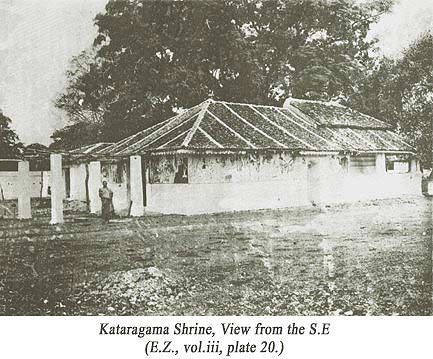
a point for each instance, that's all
(144, 179)
(67, 182)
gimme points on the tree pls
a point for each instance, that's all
(151, 57)
(83, 103)
(10, 147)
(75, 136)
(400, 91)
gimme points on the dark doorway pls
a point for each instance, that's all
(144, 180)
(68, 182)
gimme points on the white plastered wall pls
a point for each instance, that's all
(339, 185)
(99, 172)
(120, 195)
(38, 180)
(219, 184)
(78, 182)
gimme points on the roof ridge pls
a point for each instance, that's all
(197, 122)
(160, 132)
(329, 103)
(243, 104)
(279, 107)
(164, 122)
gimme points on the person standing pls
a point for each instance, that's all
(106, 196)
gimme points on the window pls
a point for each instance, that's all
(105, 170)
(363, 164)
(8, 166)
(118, 172)
(39, 165)
(113, 171)
(397, 163)
(344, 163)
(181, 175)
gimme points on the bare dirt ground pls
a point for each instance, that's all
(371, 258)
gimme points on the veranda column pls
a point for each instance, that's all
(136, 184)
(56, 188)
(414, 168)
(24, 205)
(94, 185)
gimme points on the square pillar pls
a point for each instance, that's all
(136, 186)
(380, 163)
(94, 184)
(24, 205)
(414, 168)
(57, 186)
(430, 187)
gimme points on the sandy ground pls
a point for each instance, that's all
(371, 258)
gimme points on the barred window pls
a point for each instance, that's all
(397, 163)
(114, 172)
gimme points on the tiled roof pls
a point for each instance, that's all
(333, 114)
(302, 125)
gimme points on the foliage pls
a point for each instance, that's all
(10, 147)
(401, 91)
(75, 136)
(152, 57)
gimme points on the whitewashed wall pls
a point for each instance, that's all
(218, 184)
(107, 173)
(120, 190)
(78, 182)
(338, 185)
(38, 181)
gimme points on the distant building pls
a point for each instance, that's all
(39, 176)
(220, 156)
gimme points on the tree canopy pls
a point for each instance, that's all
(10, 147)
(153, 57)
(400, 91)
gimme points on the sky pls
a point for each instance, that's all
(39, 37)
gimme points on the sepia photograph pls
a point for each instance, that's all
(216, 158)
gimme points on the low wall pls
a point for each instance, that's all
(366, 187)
(277, 182)
(223, 197)
(39, 182)
(329, 182)
(224, 184)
